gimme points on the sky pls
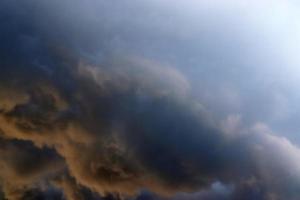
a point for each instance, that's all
(149, 100)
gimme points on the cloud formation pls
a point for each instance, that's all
(81, 118)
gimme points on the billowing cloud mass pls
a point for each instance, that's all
(146, 100)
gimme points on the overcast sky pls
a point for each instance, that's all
(161, 99)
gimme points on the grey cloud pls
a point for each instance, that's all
(117, 97)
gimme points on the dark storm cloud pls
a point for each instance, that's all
(83, 115)
(23, 165)
(120, 133)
